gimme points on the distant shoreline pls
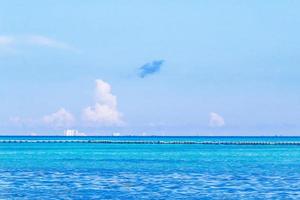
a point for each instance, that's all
(162, 136)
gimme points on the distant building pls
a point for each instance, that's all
(71, 133)
(116, 134)
(144, 134)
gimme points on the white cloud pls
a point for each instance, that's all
(103, 94)
(105, 111)
(216, 120)
(6, 40)
(102, 114)
(15, 120)
(47, 42)
(20, 41)
(21, 121)
(61, 118)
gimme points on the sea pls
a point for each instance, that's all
(126, 168)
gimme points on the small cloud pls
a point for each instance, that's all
(150, 68)
(216, 120)
(20, 121)
(47, 42)
(7, 44)
(15, 120)
(16, 42)
(6, 40)
(105, 111)
(61, 118)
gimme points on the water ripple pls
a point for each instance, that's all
(126, 185)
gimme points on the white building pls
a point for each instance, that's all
(116, 134)
(71, 132)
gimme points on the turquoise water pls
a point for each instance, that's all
(149, 171)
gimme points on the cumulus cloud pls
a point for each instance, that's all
(216, 120)
(105, 111)
(150, 68)
(61, 118)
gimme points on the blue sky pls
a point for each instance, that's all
(212, 67)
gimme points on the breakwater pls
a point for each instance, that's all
(156, 142)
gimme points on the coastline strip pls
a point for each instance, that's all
(155, 142)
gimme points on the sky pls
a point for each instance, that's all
(150, 67)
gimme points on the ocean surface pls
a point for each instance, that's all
(149, 171)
